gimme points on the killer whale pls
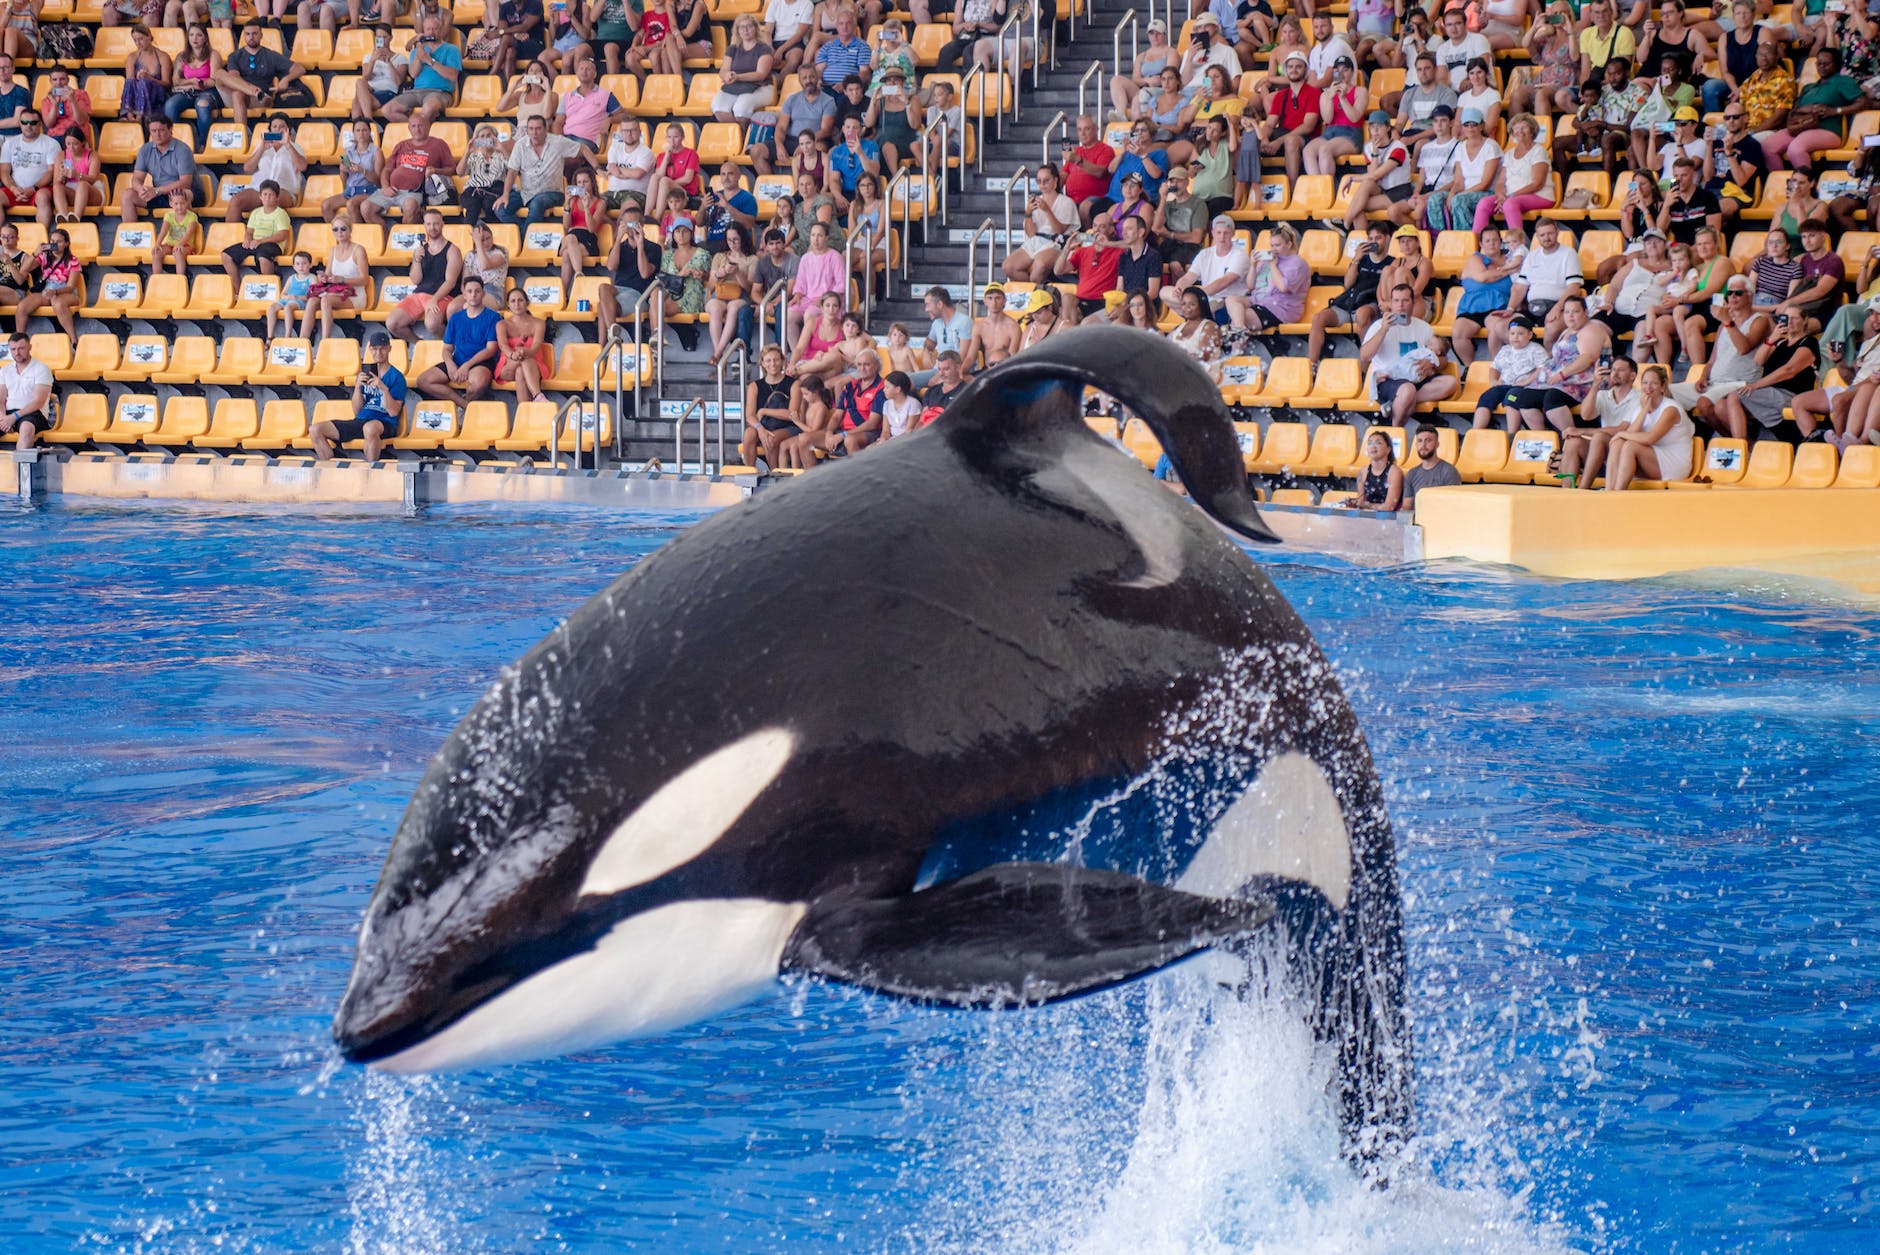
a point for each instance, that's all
(735, 761)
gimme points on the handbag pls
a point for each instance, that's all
(672, 285)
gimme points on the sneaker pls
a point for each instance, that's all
(1335, 224)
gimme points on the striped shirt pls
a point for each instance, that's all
(839, 60)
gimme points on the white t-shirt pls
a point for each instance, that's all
(1399, 341)
(1473, 167)
(1477, 100)
(1210, 265)
(1520, 365)
(788, 16)
(1547, 274)
(31, 159)
(1521, 171)
(900, 415)
(1454, 55)
(1319, 57)
(1615, 413)
(1436, 162)
(640, 160)
(20, 384)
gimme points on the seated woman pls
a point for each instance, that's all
(147, 74)
(522, 356)
(1487, 282)
(1199, 335)
(361, 167)
(1568, 376)
(584, 217)
(381, 77)
(1386, 180)
(1129, 91)
(1694, 318)
(347, 268)
(78, 179)
(1655, 445)
(1380, 485)
(486, 260)
(531, 97)
(1050, 216)
(768, 418)
(868, 214)
(732, 274)
(683, 266)
(813, 410)
(278, 158)
(192, 87)
(816, 347)
(1517, 366)
(1787, 370)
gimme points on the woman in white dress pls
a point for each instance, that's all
(1655, 445)
(1049, 216)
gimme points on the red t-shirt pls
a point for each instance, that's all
(412, 159)
(1096, 270)
(682, 168)
(1292, 107)
(655, 26)
(1080, 186)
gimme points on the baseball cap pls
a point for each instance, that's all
(681, 221)
(1036, 300)
(1157, 24)
(1218, 219)
(377, 339)
(990, 288)
(1521, 320)
(1132, 177)
(1347, 62)
(1294, 55)
(1442, 111)
(1686, 114)
(1406, 229)
(1378, 115)
(1472, 116)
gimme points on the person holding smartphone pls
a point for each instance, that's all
(378, 399)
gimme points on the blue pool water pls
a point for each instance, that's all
(1637, 842)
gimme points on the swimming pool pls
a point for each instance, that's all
(1637, 851)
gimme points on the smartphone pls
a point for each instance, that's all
(1556, 19)
(1605, 359)
(272, 137)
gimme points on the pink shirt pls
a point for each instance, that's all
(585, 116)
(816, 275)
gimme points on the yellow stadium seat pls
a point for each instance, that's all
(1444, 324)
(1337, 498)
(235, 419)
(254, 294)
(1528, 455)
(349, 50)
(111, 45)
(1292, 497)
(282, 423)
(1854, 246)
(134, 418)
(82, 415)
(1248, 437)
(484, 423)
(1312, 196)
(1240, 379)
(191, 357)
(1287, 379)
(319, 140)
(661, 96)
(431, 424)
(312, 47)
(184, 419)
(84, 237)
(1141, 443)
(336, 363)
(927, 41)
(1286, 445)
(719, 142)
(216, 237)
(478, 98)
(1860, 467)
(227, 144)
(1482, 451)
(97, 352)
(574, 367)
(1340, 380)
(1725, 461)
(1453, 249)
(541, 246)
(1769, 465)
(130, 246)
(534, 421)
(1594, 183)
(424, 355)
(1318, 298)
(54, 348)
(119, 292)
(698, 99)
(546, 297)
(584, 425)
(586, 288)
(1814, 466)
(1478, 379)
(106, 92)
(143, 357)
(240, 363)
(339, 97)
(164, 296)
(1334, 447)
(328, 412)
(1596, 247)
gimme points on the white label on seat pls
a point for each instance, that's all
(914, 193)
(226, 140)
(288, 355)
(1246, 439)
(588, 418)
(232, 185)
(542, 239)
(542, 293)
(1245, 373)
(137, 414)
(1533, 450)
(258, 290)
(1396, 443)
(1725, 459)
(143, 353)
(769, 188)
(394, 290)
(1272, 193)
(407, 238)
(432, 420)
(136, 235)
(624, 358)
(120, 290)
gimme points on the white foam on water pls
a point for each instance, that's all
(400, 1181)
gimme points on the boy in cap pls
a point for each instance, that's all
(378, 399)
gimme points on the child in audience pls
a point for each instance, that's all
(900, 409)
(179, 233)
(296, 292)
(1517, 365)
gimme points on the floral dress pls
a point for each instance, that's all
(692, 298)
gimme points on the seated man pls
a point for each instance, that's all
(1404, 359)
(378, 399)
(25, 388)
(469, 350)
(411, 163)
(254, 77)
(1429, 471)
(164, 165)
(436, 269)
(436, 68)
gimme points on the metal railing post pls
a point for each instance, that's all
(1058, 122)
(978, 73)
(678, 436)
(926, 164)
(736, 350)
(1116, 44)
(1096, 67)
(778, 290)
(1005, 198)
(902, 180)
(972, 258)
(609, 342)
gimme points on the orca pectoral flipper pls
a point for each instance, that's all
(1013, 934)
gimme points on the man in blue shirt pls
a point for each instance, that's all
(435, 66)
(854, 156)
(378, 399)
(726, 202)
(469, 350)
(845, 54)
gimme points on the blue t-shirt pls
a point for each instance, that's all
(466, 335)
(718, 218)
(848, 164)
(11, 102)
(428, 79)
(1149, 168)
(394, 388)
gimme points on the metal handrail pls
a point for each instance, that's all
(554, 450)
(903, 175)
(1036, 50)
(778, 289)
(615, 342)
(658, 344)
(979, 122)
(998, 55)
(939, 187)
(867, 236)
(735, 350)
(678, 435)
(1096, 67)
(1116, 44)
(1060, 121)
(1005, 200)
(972, 256)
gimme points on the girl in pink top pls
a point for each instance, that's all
(820, 270)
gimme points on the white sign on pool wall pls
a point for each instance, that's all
(961, 235)
(673, 409)
(1027, 184)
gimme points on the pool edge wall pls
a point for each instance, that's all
(1572, 534)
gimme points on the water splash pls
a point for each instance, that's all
(400, 1183)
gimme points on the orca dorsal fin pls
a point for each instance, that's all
(1014, 934)
(1164, 386)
